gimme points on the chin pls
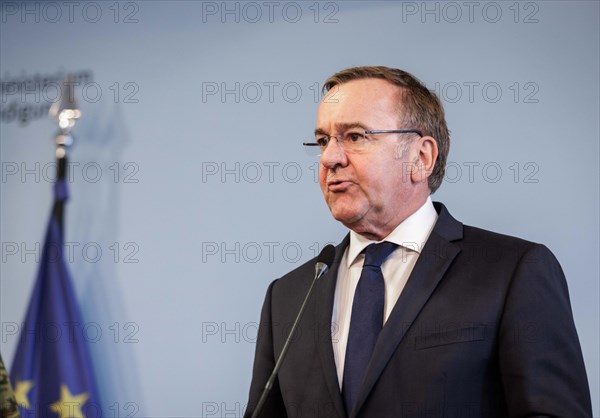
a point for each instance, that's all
(348, 218)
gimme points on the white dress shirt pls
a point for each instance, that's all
(410, 236)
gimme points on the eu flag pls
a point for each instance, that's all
(52, 371)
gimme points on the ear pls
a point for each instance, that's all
(425, 160)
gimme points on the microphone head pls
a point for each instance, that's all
(324, 260)
(327, 255)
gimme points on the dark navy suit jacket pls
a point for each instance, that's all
(483, 328)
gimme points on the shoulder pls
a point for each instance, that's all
(295, 282)
(472, 234)
(490, 243)
(483, 243)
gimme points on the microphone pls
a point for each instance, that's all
(324, 260)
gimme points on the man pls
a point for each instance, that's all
(442, 319)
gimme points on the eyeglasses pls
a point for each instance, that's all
(355, 140)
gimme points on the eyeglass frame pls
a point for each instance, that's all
(366, 132)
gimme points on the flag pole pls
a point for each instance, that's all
(54, 376)
(65, 112)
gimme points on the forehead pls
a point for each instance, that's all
(365, 101)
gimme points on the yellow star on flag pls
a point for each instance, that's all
(22, 388)
(69, 405)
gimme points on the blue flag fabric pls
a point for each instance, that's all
(52, 370)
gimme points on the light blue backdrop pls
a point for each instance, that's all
(191, 191)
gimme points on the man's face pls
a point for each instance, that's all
(370, 191)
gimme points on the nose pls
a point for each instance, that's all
(334, 155)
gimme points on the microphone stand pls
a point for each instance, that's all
(321, 267)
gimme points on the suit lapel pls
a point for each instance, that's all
(324, 310)
(434, 260)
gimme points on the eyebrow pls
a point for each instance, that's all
(341, 127)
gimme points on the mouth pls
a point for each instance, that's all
(338, 185)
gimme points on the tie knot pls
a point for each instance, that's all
(375, 254)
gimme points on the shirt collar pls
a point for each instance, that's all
(412, 233)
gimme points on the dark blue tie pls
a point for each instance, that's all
(366, 321)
